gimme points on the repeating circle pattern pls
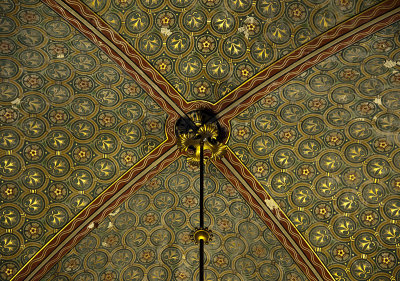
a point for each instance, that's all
(330, 136)
(61, 84)
(63, 103)
(150, 234)
(231, 30)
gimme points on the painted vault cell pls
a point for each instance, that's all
(205, 49)
(149, 236)
(72, 122)
(326, 148)
(324, 143)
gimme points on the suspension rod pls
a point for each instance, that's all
(201, 271)
(201, 184)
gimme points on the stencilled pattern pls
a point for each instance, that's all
(326, 147)
(205, 49)
(72, 122)
(148, 235)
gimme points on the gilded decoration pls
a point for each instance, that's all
(200, 130)
(149, 235)
(88, 155)
(71, 122)
(205, 49)
(326, 147)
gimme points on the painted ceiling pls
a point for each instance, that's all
(93, 187)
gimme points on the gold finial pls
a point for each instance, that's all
(190, 140)
(204, 234)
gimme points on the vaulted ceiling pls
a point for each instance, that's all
(93, 186)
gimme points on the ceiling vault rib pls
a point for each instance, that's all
(315, 51)
(66, 5)
(96, 212)
(321, 273)
(269, 79)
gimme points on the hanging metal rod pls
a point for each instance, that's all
(201, 273)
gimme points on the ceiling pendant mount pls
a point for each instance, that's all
(203, 234)
(200, 138)
(200, 128)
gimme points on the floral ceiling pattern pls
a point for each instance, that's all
(92, 186)
(149, 235)
(326, 147)
(205, 48)
(71, 120)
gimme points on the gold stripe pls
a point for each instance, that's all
(272, 216)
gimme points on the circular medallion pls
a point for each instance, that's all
(33, 104)
(178, 43)
(28, 36)
(83, 63)
(234, 47)
(58, 29)
(319, 236)
(371, 87)
(130, 133)
(321, 82)
(190, 66)
(9, 165)
(291, 113)
(97, 260)
(104, 168)
(9, 217)
(194, 20)
(327, 186)
(343, 95)
(217, 68)
(8, 91)
(348, 202)
(361, 269)
(10, 244)
(268, 9)
(83, 106)
(81, 179)
(57, 217)
(354, 54)
(9, 139)
(33, 204)
(133, 273)
(135, 238)
(139, 203)
(223, 22)
(106, 143)
(150, 44)
(33, 178)
(261, 52)
(360, 130)
(391, 100)
(366, 243)
(164, 200)
(344, 227)
(378, 168)
(58, 93)
(330, 162)
(281, 182)
(356, 153)
(125, 220)
(58, 71)
(33, 127)
(160, 237)
(107, 97)
(83, 129)
(58, 166)
(31, 58)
